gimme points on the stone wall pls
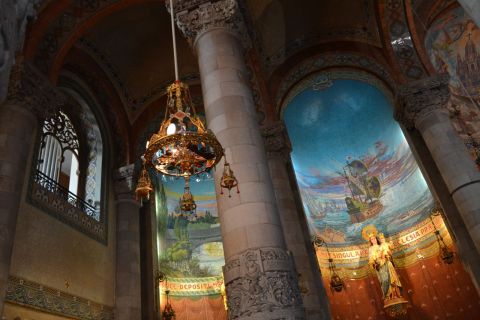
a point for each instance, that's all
(65, 261)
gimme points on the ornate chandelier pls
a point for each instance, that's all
(182, 147)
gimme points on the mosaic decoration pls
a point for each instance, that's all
(134, 104)
(453, 44)
(407, 245)
(401, 40)
(34, 295)
(63, 27)
(190, 246)
(353, 164)
(330, 60)
(325, 80)
(367, 33)
(192, 286)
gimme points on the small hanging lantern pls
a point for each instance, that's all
(336, 282)
(168, 313)
(445, 254)
(187, 203)
(228, 180)
(144, 186)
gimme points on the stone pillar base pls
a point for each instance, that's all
(260, 285)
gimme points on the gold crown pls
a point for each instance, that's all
(381, 235)
(368, 232)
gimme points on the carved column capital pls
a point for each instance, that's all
(199, 16)
(260, 284)
(420, 98)
(124, 183)
(277, 142)
(29, 89)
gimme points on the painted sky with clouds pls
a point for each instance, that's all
(353, 120)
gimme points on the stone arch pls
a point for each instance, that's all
(350, 63)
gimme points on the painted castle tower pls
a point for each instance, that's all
(468, 69)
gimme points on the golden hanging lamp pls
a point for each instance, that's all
(187, 203)
(228, 180)
(144, 186)
(182, 147)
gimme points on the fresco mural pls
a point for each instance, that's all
(453, 44)
(353, 164)
(189, 245)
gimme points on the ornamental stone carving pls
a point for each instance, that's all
(197, 17)
(31, 90)
(277, 142)
(124, 183)
(260, 285)
(420, 98)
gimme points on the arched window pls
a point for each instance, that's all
(67, 179)
(59, 165)
(59, 150)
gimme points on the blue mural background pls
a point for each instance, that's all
(352, 120)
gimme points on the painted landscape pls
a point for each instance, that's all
(353, 164)
(189, 244)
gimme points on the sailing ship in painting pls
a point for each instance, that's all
(363, 202)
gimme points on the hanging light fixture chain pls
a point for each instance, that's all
(172, 18)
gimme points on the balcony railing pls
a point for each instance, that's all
(62, 192)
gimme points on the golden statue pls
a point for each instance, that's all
(381, 260)
(223, 293)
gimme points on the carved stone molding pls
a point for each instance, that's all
(198, 17)
(67, 209)
(261, 284)
(124, 183)
(277, 142)
(420, 98)
(37, 296)
(401, 40)
(29, 89)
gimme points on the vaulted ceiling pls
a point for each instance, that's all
(127, 43)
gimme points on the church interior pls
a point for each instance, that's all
(239, 159)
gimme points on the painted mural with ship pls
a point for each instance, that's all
(353, 164)
(365, 192)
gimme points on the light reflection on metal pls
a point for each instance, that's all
(144, 186)
(187, 203)
(182, 147)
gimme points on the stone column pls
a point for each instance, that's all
(14, 16)
(292, 216)
(127, 280)
(423, 106)
(29, 96)
(260, 279)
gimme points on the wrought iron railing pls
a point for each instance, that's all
(62, 192)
